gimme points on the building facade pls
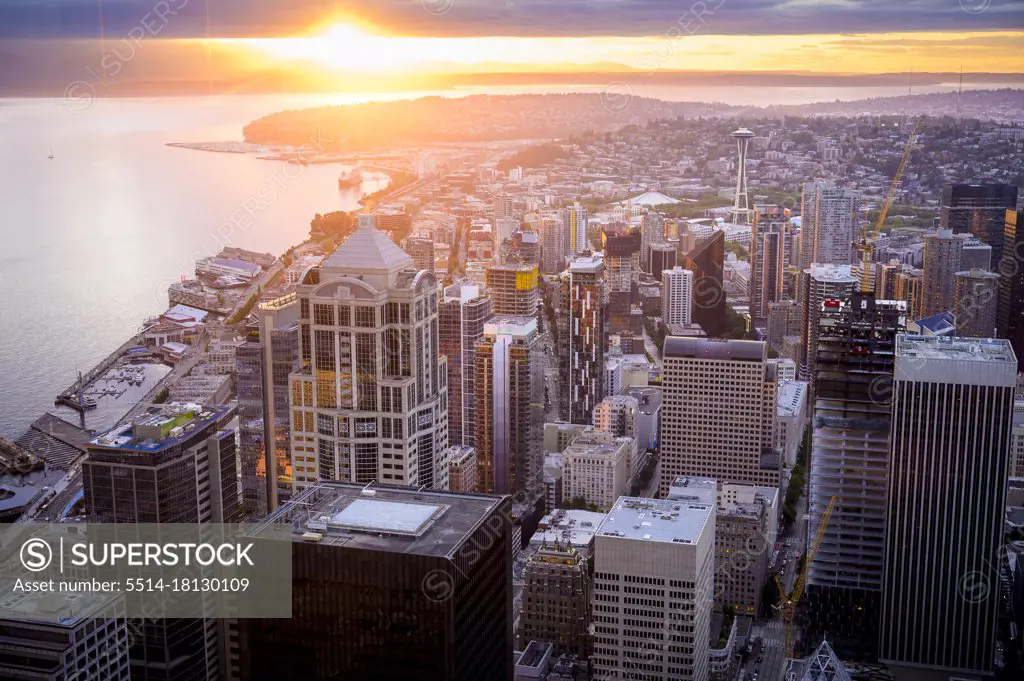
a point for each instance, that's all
(463, 311)
(677, 296)
(370, 401)
(582, 324)
(829, 224)
(653, 571)
(952, 416)
(556, 599)
(769, 230)
(513, 288)
(596, 468)
(707, 262)
(942, 254)
(818, 284)
(718, 412)
(976, 303)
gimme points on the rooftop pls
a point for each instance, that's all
(161, 427)
(65, 609)
(791, 395)
(948, 347)
(378, 518)
(658, 520)
(832, 274)
(509, 325)
(704, 348)
(700, 490)
(368, 249)
(568, 528)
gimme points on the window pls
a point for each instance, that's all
(366, 317)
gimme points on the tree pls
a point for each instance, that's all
(580, 504)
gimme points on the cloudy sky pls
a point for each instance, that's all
(834, 36)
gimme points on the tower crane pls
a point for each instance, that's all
(788, 606)
(866, 245)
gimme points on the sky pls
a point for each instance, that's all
(445, 36)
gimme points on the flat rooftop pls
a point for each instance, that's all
(948, 347)
(162, 426)
(705, 348)
(834, 274)
(509, 325)
(66, 608)
(791, 395)
(658, 520)
(383, 518)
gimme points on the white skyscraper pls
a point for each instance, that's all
(652, 599)
(829, 224)
(575, 221)
(676, 295)
(370, 401)
(952, 416)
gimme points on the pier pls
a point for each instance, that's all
(70, 397)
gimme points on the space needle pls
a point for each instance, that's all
(741, 206)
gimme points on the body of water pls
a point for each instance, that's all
(90, 239)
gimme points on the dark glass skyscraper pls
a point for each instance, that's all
(174, 464)
(707, 262)
(1010, 312)
(390, 584)
(979, 209)
(582, 323)
(263, 363)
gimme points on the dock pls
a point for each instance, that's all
(70, 397)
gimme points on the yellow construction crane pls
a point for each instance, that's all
(866, 245)
(788, 606)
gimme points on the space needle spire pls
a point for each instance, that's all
(741, 206)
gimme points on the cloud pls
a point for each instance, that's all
(268, 18)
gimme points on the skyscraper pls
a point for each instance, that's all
(741, 204)
(552, 238)
(464, 309)
(976, 303)
(173, 464)
(1010, 268)
(621, 271)
(849, 458)
(513, 288)
(942, 251)
(509, 405)
(707, 262)
(718, 412)
(652, 231)
(582, 331)
(818, 284)
(767, 258)
(663, 257)
(677, 296)
(979, 209)
(909, 289)
(557, 588)
(575, 222)
(653, 574)
(263, 364)
(828, 224)
(392, 584)
(952, 414)
(421, 250)
(370, 401)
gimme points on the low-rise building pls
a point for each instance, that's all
(596, 468)
(791, 419)
(556, 599)
(462, 468)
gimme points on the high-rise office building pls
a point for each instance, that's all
(557, 589)
(391, 584)
(707, 262)
(767, 258)
(509, 405)
(582, 331)
(421, 250)
(849, 459)
(818, 284)
(370, 401)
(622, 272)
(552, 242)
(976, 303)
(910, 289)
(513, 288)
(783, 320)
(979, 209)
(174, 464)
(263, 364)
(663, 257)
(1010, 268)
(80, 636)
(718, 412)
(828, 224)
(942, 253)
(975, 255)
(652, 231)
(952, 415)
(464, 309)
(676, 296)
(653, 574)
(885, 279)
(575, 221)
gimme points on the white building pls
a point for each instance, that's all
(618, 415)
(791, 419)
(829, 225)
(653, 572)
(596, 468)
(1017, 441)
(676, 296)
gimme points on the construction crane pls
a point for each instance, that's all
(866, 245)
(788, 607)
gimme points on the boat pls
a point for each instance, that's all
(350, 178)
(89, 402)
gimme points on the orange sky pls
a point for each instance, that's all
(353, 48)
